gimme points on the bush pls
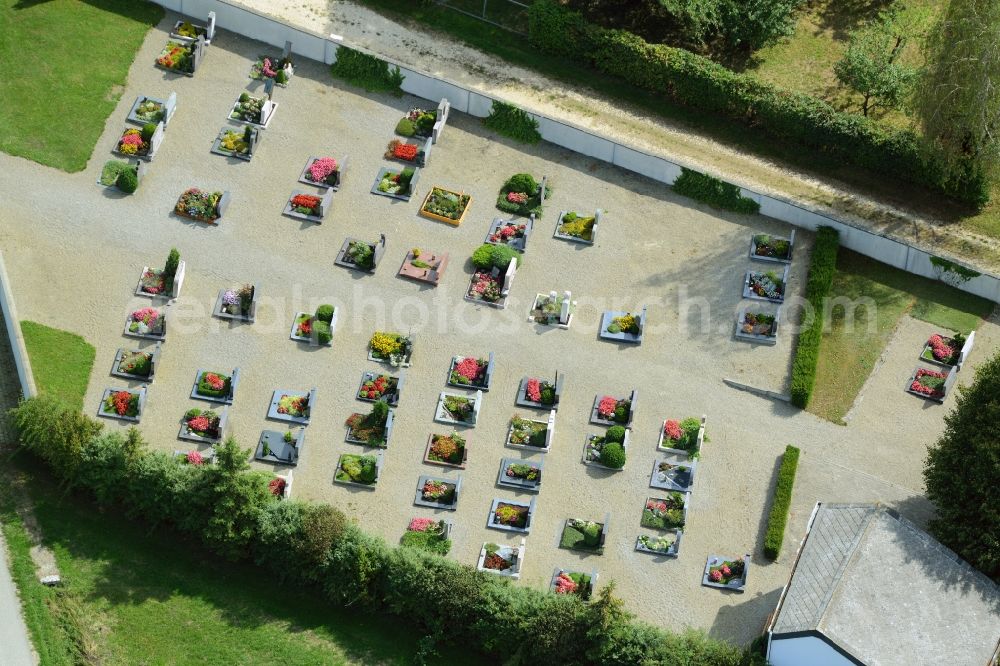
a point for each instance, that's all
(128, 181)
(482, 258)
(822, 267)
(55, 433)
(524, 183)
(170, 269)
(405, 127)
(325, 313)
(591, 534)
(778, 517)
(281, 76)
(512, 122)
(486, 257)
(323, 332)
(615, 434)
(366, 71)
(613, 455)
(244, 97)
(797, 119)
(148, 130)
(714, 192)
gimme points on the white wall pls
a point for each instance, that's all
(804, 651)
(305, 43)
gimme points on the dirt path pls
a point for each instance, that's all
(414, 45)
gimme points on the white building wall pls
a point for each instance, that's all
(804, 651)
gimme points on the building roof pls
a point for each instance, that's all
(887, 593)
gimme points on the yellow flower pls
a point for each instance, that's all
(385, 344)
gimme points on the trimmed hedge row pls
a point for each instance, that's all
(822, 267)
(366, 71)
(778, 517)
(696, 82)
(231, 510)
(714, 192)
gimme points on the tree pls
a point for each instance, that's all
(871, 65)
(238, 497)
(749, 25)
(962, 473)
(958, 97)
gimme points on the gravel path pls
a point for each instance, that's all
(75, 263)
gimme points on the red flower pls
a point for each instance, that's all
(715, 576)
(534, 390)
(121, 401)
(305, 201)
(672, 429)
(606, 407)
(199, 423)
(276, 486)
(405, 151)
(214, 381)
(194, 458)
(468, 368)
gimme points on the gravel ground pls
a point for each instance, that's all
(74, 253)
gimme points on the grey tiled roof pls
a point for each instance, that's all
(832, 539)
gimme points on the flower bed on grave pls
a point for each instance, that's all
(767, 285)
(121, 175)
(585, 535)
(522, 195)
(392, 348)
(928, 383)
(609, 410)
(276, 486)
(576, 227)
(238, 302)
(148, 110)
(123, 404)
(509, 232)
(665, 513)
(360, 255)
(214, 386)
(458, 409)
(663, 544)
(427, 534)
(314, 328)
(538, 393)
(608, 451)
(626, 323)
(417, 122)
(765, 246)
(672, 475)
(680, 436)
(201, 205)
(152, 282)
(502, 560)
(278, 68)
(195, 458)
(372, 429)
(527, 433)
(573, 582)
(943, 350)
(293, 406)
(177, 57)
(375, 387)
(446, 450)
(357, 470)
(202, 423)
(136, 142)
(396, 183)
(445, 206)
(236, 142)
(249, 109)
(520, 474)
(727, 574)
(547, 310)
(511, 515)
(437, 493)
(402, 151)
(469, 372)
(623, 326)
(758, 324)
(146, 323)
(137, 364)
(306, 204)
(322, 172)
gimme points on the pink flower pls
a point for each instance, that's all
(606, 407)
(321, 168)
(268, 72)
(508, 231)
(672, 429)
(517, 197)
(199, 423)
(195, 458)
(147, 316)
(468, 368)
(726, 571)
(565, 584)
(715, 576)
(420, 524)
(534, 390)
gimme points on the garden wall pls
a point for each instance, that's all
(254, 25)
(13, 324)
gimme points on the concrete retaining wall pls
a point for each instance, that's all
(254, 25)
(13, 325)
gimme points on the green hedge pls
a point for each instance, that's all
(778, 518)
(714, 192)
(822, 267)
(698, 83)
(366, 71)
(510, 121)
(230, 509)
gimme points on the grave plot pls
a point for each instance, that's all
(215, 386)
(726, 574)
(446, 206)
(202, 205)
(165, 282)
(666, 512)
(522, 195)
(371, 429)
(585, 535)
(623, 326)
(136, 364)
(146, 324)
(378, 386)
(317, 328)
(424, 124)
(446, 450)
(438, 493)
(665, 545)
(932, 384)
(764, 247)
(292, 406)
(279, 69)
(281, 485)
(206, 426)
(531, 434)
(577, 228)
(511, 233)
(610, 410)
(358, 470)
(122, 176)
(607, 451)
(496, 266)
(766, 285)
(141, 144)
(359, 255)
(540, 393)
(418, 153)
(511, 515)
(424, 266)
(683, 437)
(187, 32)
(672, 475)
(324, 172)
(304, 206)
(948, 351)
(755, 325)
(281, 448)
(433, 536)
(237, 143)
(524, 475)
(552, 309)
(182, 56)
(471, 373)
(566, 581)
(146, 109)
(396, 184)
(237, 303)
(395, 349)
(501, 560)
(459, 409)
(254, 111)
(123, 404)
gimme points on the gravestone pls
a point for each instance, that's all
(169, 107)
(210, 34)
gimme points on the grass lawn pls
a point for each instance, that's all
(847, 356)
(66, 63)
(60, 361)
(132, 596)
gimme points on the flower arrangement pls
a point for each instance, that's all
(437, 491)
(194, 458)
(238, 302)
(606, 407)
(523, 471)
(294, 405)
(681, 434)
(305, 203)
(517, 198)
(152, 282)
(755, 323)
(508, 232)
(578, 226)
(485, 287)
(323, 170)
(149, 111)
(766, 246)
(303, 328)
(400, 150)
(121, 402)
(458, 407)
(198, 204)
(511, 515)
(132, 143)
(214, 381)
(369, 429)
(203, 423)
(565, 584)
(627, 323)
(929, 383)
(396, 183)
(469, 372)
(385, 345)
(945, 350)
(137, 363)
(661, 544)
(664, 513)
(249, 109)
(145, 321)
(421, 524)
(767, 285)
(524, 432)
(447, 449)
(177, 57)
(726, 572)
(446, 204)
(380, 385)
(272, 68)
(277, 486)
(494, 560)
(534, 390)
